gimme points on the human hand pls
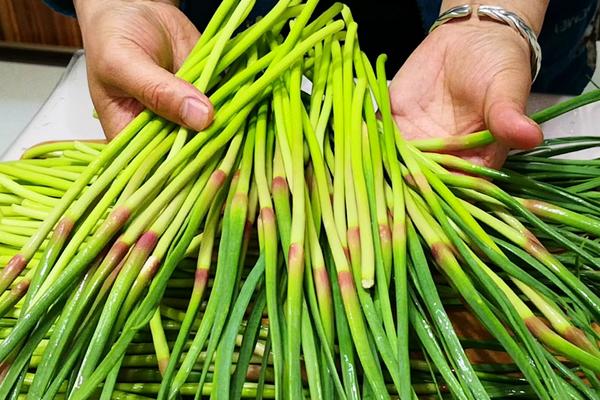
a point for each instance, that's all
(132, 50)
(468, 75)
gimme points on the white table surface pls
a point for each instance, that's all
(24, 88)
(67, 115)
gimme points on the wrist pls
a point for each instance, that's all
(88, 11)
(531, 11)
(482, 14)
(475, 26)
(84, 7)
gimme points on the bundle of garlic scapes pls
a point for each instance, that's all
(299, 246)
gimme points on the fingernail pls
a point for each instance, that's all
(194, 113)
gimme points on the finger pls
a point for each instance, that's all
(183, 42)
(493, 155)
(505, 112)
(182, 33)
(114, 110)
(116, 114)
(161, 91)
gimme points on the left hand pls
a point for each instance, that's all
(132, 50)
(468, 75)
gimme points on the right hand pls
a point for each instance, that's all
(466, 76)
(132, 49)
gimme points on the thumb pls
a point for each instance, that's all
(505, 112)
(164, 93)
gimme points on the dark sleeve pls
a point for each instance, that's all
(430, 10)
(392, 27)
(62, 6)
(568, 47)
(200, 12)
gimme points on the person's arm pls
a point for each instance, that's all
(471, 74)
(132, 50)
(531, 11)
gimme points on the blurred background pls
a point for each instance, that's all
(30, 22)
(36, 45)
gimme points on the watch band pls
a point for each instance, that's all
(501, 15)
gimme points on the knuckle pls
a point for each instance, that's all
(156, 94)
